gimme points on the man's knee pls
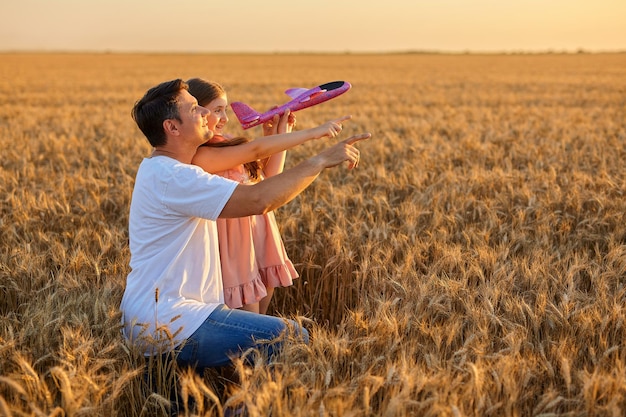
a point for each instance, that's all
(298, 331)
(305, 335)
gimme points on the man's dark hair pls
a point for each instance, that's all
(157, 105)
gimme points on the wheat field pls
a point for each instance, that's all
(473, 265)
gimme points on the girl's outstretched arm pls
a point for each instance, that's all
(213, 159)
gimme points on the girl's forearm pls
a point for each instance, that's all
(213, 159)
(270, 145)
(275, 164)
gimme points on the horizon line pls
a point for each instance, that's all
(112, 51)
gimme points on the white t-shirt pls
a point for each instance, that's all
(174, 250)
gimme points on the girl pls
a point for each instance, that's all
(253, 257)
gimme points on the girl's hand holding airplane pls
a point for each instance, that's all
(280, 124)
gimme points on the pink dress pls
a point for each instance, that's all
(252, 252)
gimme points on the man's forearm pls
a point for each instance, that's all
(278, 190)
(273, 192)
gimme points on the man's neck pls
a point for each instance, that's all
(184, 157)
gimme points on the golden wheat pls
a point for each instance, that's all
(473, 265)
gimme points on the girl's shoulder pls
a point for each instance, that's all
(218, 139)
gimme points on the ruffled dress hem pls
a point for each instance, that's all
(247, 293)
(279, 275)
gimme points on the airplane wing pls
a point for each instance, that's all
(296, 92)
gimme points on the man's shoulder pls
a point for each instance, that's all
(176, 173)
(162, 165)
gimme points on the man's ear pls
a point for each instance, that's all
(170, 127)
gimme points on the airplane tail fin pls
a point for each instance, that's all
(244, 113)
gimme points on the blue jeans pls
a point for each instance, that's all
(227, 333)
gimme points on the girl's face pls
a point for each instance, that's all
(217, 119)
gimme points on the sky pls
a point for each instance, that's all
(313, 26)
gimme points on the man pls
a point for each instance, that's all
(173, 298)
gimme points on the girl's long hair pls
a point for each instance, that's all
(205, 92)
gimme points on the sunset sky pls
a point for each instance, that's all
(317, 26)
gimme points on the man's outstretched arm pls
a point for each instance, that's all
(278, 190)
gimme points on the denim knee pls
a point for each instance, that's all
(302, 334)
(296, 330)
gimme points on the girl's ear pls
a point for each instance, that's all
(170, 127)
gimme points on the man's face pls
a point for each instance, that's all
(194, 122)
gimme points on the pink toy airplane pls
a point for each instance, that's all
(302, 98)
